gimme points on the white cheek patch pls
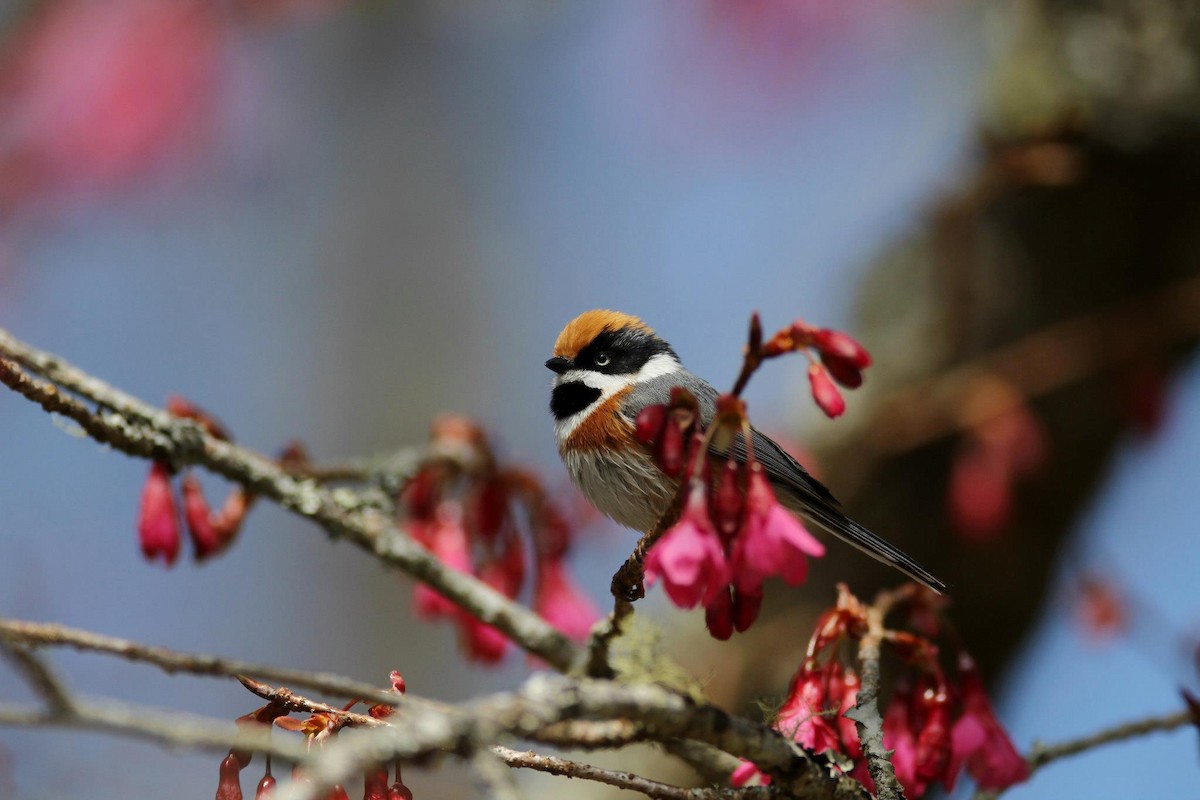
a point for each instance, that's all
(658, 366)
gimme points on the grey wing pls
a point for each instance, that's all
(808, 497)
(797, 490)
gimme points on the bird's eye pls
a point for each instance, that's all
(602, 360)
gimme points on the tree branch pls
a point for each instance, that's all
(140, 429)
(173, 661)
(1042, 754)
(622, 780)
(866, 712)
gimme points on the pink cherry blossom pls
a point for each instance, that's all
(804, 718)
(772, 541)
(980, 741)
(689, 557)
(561, 602)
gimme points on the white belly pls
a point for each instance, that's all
(633, 491)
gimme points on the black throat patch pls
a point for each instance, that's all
(569, 399)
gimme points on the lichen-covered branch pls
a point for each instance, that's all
(866, 713)
(140, 429)
(553, 765)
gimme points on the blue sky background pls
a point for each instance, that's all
(396, 220)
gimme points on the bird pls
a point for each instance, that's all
(607, 367)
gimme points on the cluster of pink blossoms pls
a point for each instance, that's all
(319, 728)
(732, 533)
(211, 531)
(476, 516)
(934, 726)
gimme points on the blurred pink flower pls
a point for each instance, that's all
(772, 541)
(95, 91)
(689, 557)
(561, 602)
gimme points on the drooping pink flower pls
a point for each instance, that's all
(803, 717)
(824, 392)
(933, 740)
(689, 558)
(211, 533)
(772, 540)
(447, 539)
(481, 641)
(980, 741)
(843, 695)
(561, 602)
(158, 518)
(899, 737)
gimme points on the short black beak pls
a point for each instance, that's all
(558, 365)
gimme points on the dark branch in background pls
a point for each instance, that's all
(140, 429)
(1035, 365)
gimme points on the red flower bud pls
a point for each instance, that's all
(746, 605)
(337, 793)
(158, 519)
(229, 786)
(727, 500)
(649, 423)
(266, 788)
(842, 347)
(718, 615)
(375, 784)
(843, 371)
(826, 395)
(207, 540)
(671, 446)
(398, 685)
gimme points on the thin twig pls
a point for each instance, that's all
(40, 678)
(546, 699)
(172, 661)
(1042, 754)
(294, 702)
(495, 779)
(622, 780)
(176, 729)
(141, 429)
